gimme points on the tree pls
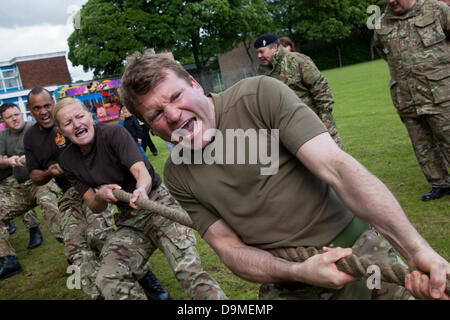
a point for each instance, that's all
(251, 19)
(104, 38)
(324, 20)
(110, 30)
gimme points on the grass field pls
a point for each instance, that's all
(372, 133)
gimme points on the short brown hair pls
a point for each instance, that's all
(285, 41)
(143, 73)
(6, 106)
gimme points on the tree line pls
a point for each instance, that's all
(196, 31)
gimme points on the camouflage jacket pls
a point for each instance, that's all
(300, 73)
(417, 49)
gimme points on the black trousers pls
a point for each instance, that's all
(147, 141)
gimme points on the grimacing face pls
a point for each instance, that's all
(41, 106)
(176, 106)
(76, 123)
(13, 119)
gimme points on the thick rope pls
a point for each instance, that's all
(353, 265)
(154, 207)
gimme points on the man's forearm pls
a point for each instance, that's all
(259, 266)
(4, 162)
(366, 196)
(140, 173)
(247, 262)
(361, 192)
(40, 177)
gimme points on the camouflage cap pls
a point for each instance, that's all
(265, 40)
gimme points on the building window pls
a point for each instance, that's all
(10, 79)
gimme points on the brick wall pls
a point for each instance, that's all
(236, 65)
(44, 72)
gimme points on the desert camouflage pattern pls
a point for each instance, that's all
(19, 198)
(369, 245)
(138, 235)
(300, 73)
(416, 46)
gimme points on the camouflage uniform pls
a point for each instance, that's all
(416, 47)
(138, 235)
(30, 219)
(18, 198)
(300, 73)
(369, 245)
(84, 233)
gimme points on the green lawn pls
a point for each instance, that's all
(372, 133)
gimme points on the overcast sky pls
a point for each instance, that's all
(38, 26)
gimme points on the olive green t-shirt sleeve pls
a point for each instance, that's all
(296, 122)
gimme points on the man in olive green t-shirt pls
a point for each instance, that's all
(306, 196)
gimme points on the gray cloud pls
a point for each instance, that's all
(23, 13)
(29, 27)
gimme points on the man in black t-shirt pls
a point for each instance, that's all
(84, 232)
(104, 157)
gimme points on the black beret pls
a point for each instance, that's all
(265, 40)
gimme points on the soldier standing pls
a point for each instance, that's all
(414, 40)
(300, 73)
(22, 195)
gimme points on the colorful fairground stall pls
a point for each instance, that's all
(99, 97)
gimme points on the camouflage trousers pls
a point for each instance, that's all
(19, 198)
(430, 137)
(138, 235)
(30, 219)
(328, 120)
(85, 233)
(369, 245)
